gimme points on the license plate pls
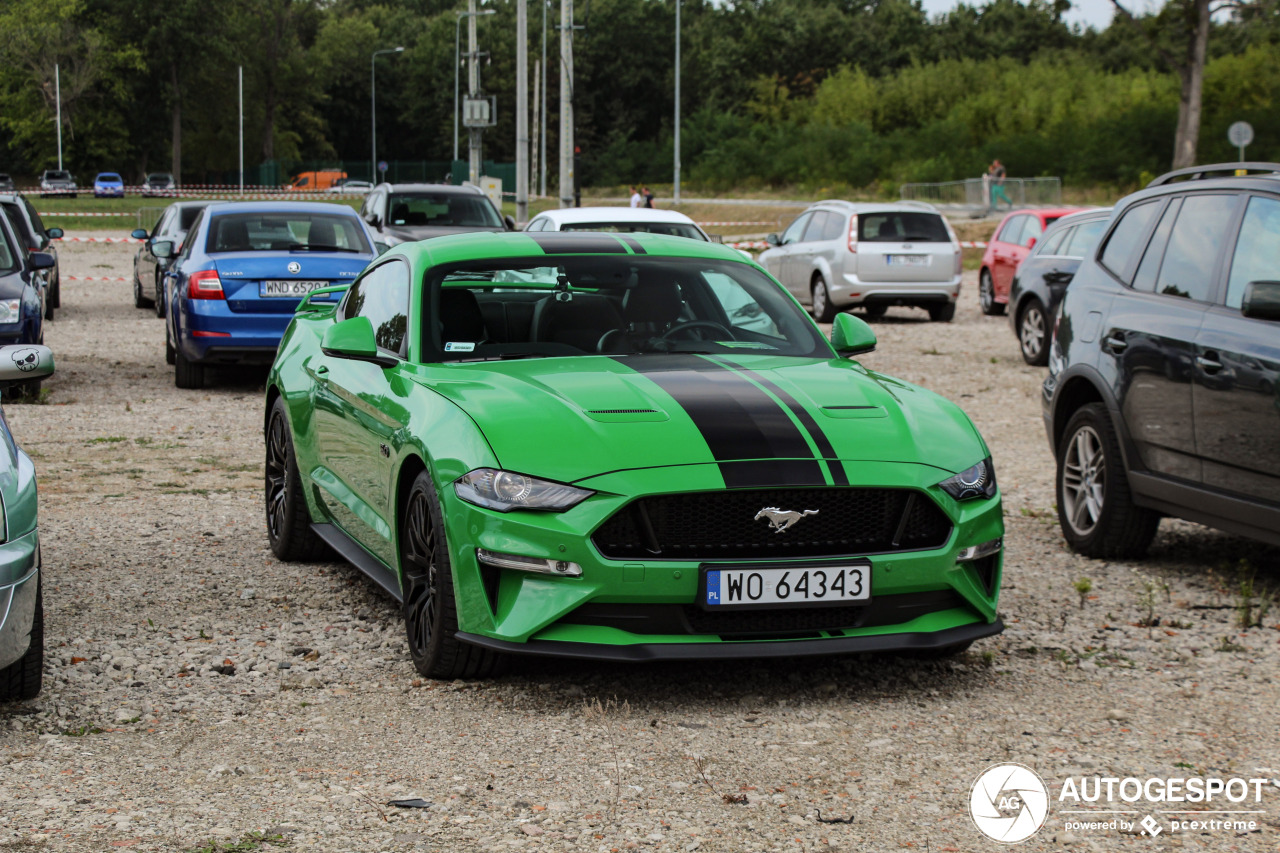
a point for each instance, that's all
(790, 586)
(907, 260)
(296, 289)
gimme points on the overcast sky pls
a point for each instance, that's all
(1089, 13)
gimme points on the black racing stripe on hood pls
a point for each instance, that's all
(820, 440)
(751, 437)
(577, 243)
(636, 248)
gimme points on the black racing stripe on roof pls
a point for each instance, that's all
(820, 440)
(636, 248)
(750, 436)
(577, 243)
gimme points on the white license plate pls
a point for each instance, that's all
(812, 585)
(297, 289)
(907, 260)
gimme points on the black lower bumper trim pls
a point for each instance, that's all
(730, 650)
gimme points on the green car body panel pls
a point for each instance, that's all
(624, 428)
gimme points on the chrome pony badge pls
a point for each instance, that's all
(781, 519)
(295, 267)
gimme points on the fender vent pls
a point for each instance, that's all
(623, 411)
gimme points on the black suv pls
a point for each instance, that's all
(1163, 374)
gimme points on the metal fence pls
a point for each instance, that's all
(976, 193)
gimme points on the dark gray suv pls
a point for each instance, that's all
(401, 213)
(1163, 374)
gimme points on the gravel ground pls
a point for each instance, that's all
(198, 691)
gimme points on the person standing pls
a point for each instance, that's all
(636, 200)
(648, 197)
(995, 176)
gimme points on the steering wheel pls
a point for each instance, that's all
(698, 324)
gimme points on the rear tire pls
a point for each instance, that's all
(987, 295)
(288, 522)
(1095, 506)
(1033, 333)
(139, 301)
(56, 291)
(23, 678)
(159, 299)
(186, 374)
(48, 307)
(942, 312)
(430, 612)
(822, 309)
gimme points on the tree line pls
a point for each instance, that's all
(821, 93)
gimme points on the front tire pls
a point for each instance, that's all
(987, 295)
(430, 613)
(1033, 333)
(23, 678)
(1095, 506)
(822, 309)
(288, 522)
(186, 373)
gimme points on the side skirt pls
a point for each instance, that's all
(355, 554)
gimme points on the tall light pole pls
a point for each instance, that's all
(240, 74)
(542, 116)
(373, 111)
(457, 60)
(677, 140)
(522, 111)
(57, 94)
(566, 103)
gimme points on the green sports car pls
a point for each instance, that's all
(564, 444)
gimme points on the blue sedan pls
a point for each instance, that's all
(242, 271)
(108, 185)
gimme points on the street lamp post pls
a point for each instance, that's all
(373, 111)
(457, 60)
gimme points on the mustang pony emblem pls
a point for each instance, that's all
(781, 519)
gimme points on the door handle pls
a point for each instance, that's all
(1116, 343)
(1208, 362)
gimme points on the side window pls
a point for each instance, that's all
(817, 227)
(1194, 244)
(36, 221)
(1031, 231)
(835, 229)
(9, 254)
(1012, 230)
(792, 234)
(537, 224)
(1056, 241)
(1257, 252)
(1145, 279)
(165, 225)
(1125, 244)
(1084, 239)
(190, 239)
(382, 295)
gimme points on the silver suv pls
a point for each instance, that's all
(838, 254)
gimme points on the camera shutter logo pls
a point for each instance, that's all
(1008, 803)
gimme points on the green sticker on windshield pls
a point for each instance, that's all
(745, 345)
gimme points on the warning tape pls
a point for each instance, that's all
(99, 240)
(94, 278)
(973, 245)
(771, 222)
(761, 245)
(69, 213)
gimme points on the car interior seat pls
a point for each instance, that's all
(460, 317)
(583, 320)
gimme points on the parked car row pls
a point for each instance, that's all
(60, 182)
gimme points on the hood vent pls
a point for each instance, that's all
(626, 416)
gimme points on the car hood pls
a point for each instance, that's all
(410, 234)
(569, 419)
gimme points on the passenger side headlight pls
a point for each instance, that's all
(505, 491)
(976, 482)
(10, 310)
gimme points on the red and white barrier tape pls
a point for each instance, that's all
(99, 240)
(756, 245)
(977, 244)
(94, 278)
(69, 213)
(772, 222)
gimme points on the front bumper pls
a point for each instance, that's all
(19, 581)
(850, 290)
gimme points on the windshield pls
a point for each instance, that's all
(441, 210)
(57, 176)
(671, 229)
(613, 306)
(901, 226)
(109, 176)
(285, 231)
(159, 177)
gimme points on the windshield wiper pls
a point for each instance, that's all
(320, 247)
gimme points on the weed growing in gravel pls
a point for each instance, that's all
(700, 764)
(988, 658)
(249, 841)
(1083, 587)
(1226, 644)
(82, 731)
(106, 439)
(1147, 601)
(600, 715)
(1251, 604)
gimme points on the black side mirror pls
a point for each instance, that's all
(1261, 300)
(772, 240)
(511, 223)
(42, 261)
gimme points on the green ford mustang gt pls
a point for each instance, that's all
(622, 447)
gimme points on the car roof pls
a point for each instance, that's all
(460, 189)
(848, 207)
(225, 207)
(488, 245)
(573, 215)
(1081, 215)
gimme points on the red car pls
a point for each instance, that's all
(1012, 241)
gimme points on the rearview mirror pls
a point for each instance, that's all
(162, 249)
(42, 261)
(1261, 300)
(23, 363)
(851, 335)
(138, 234)
(353, 339)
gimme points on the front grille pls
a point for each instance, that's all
(722, 525)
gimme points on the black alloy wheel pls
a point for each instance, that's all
(288, 522)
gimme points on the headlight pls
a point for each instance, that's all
(505, 491)
(10, 310)
(976, 482)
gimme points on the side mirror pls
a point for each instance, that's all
(163, 249)
(772, 240)
(381, 247)
(851, 336)
(1261, 300)
(139, 234)
(354, 339)
(23, 363)
(511, 223)
(54, 233)
(372, 219)
(42, 261)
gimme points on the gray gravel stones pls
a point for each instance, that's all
(197, 689)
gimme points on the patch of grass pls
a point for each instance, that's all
(82, 731)
(169, 484)
(1083, 587)
(39, 399)
(144, 441)
(248, 841)
(1226, 644)
(106, 439)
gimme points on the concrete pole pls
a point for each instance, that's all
(535, 161)
(542, 132)
(240, 74)
(522, 111)
(57, 95)
(566, 103)
(677, 119)
(473, 82)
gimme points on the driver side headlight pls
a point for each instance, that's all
(505, 491)
(976, 482)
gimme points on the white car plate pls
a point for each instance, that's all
(747, 587)
(296, 289)
(907, 260)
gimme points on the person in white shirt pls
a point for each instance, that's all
(636, 199)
